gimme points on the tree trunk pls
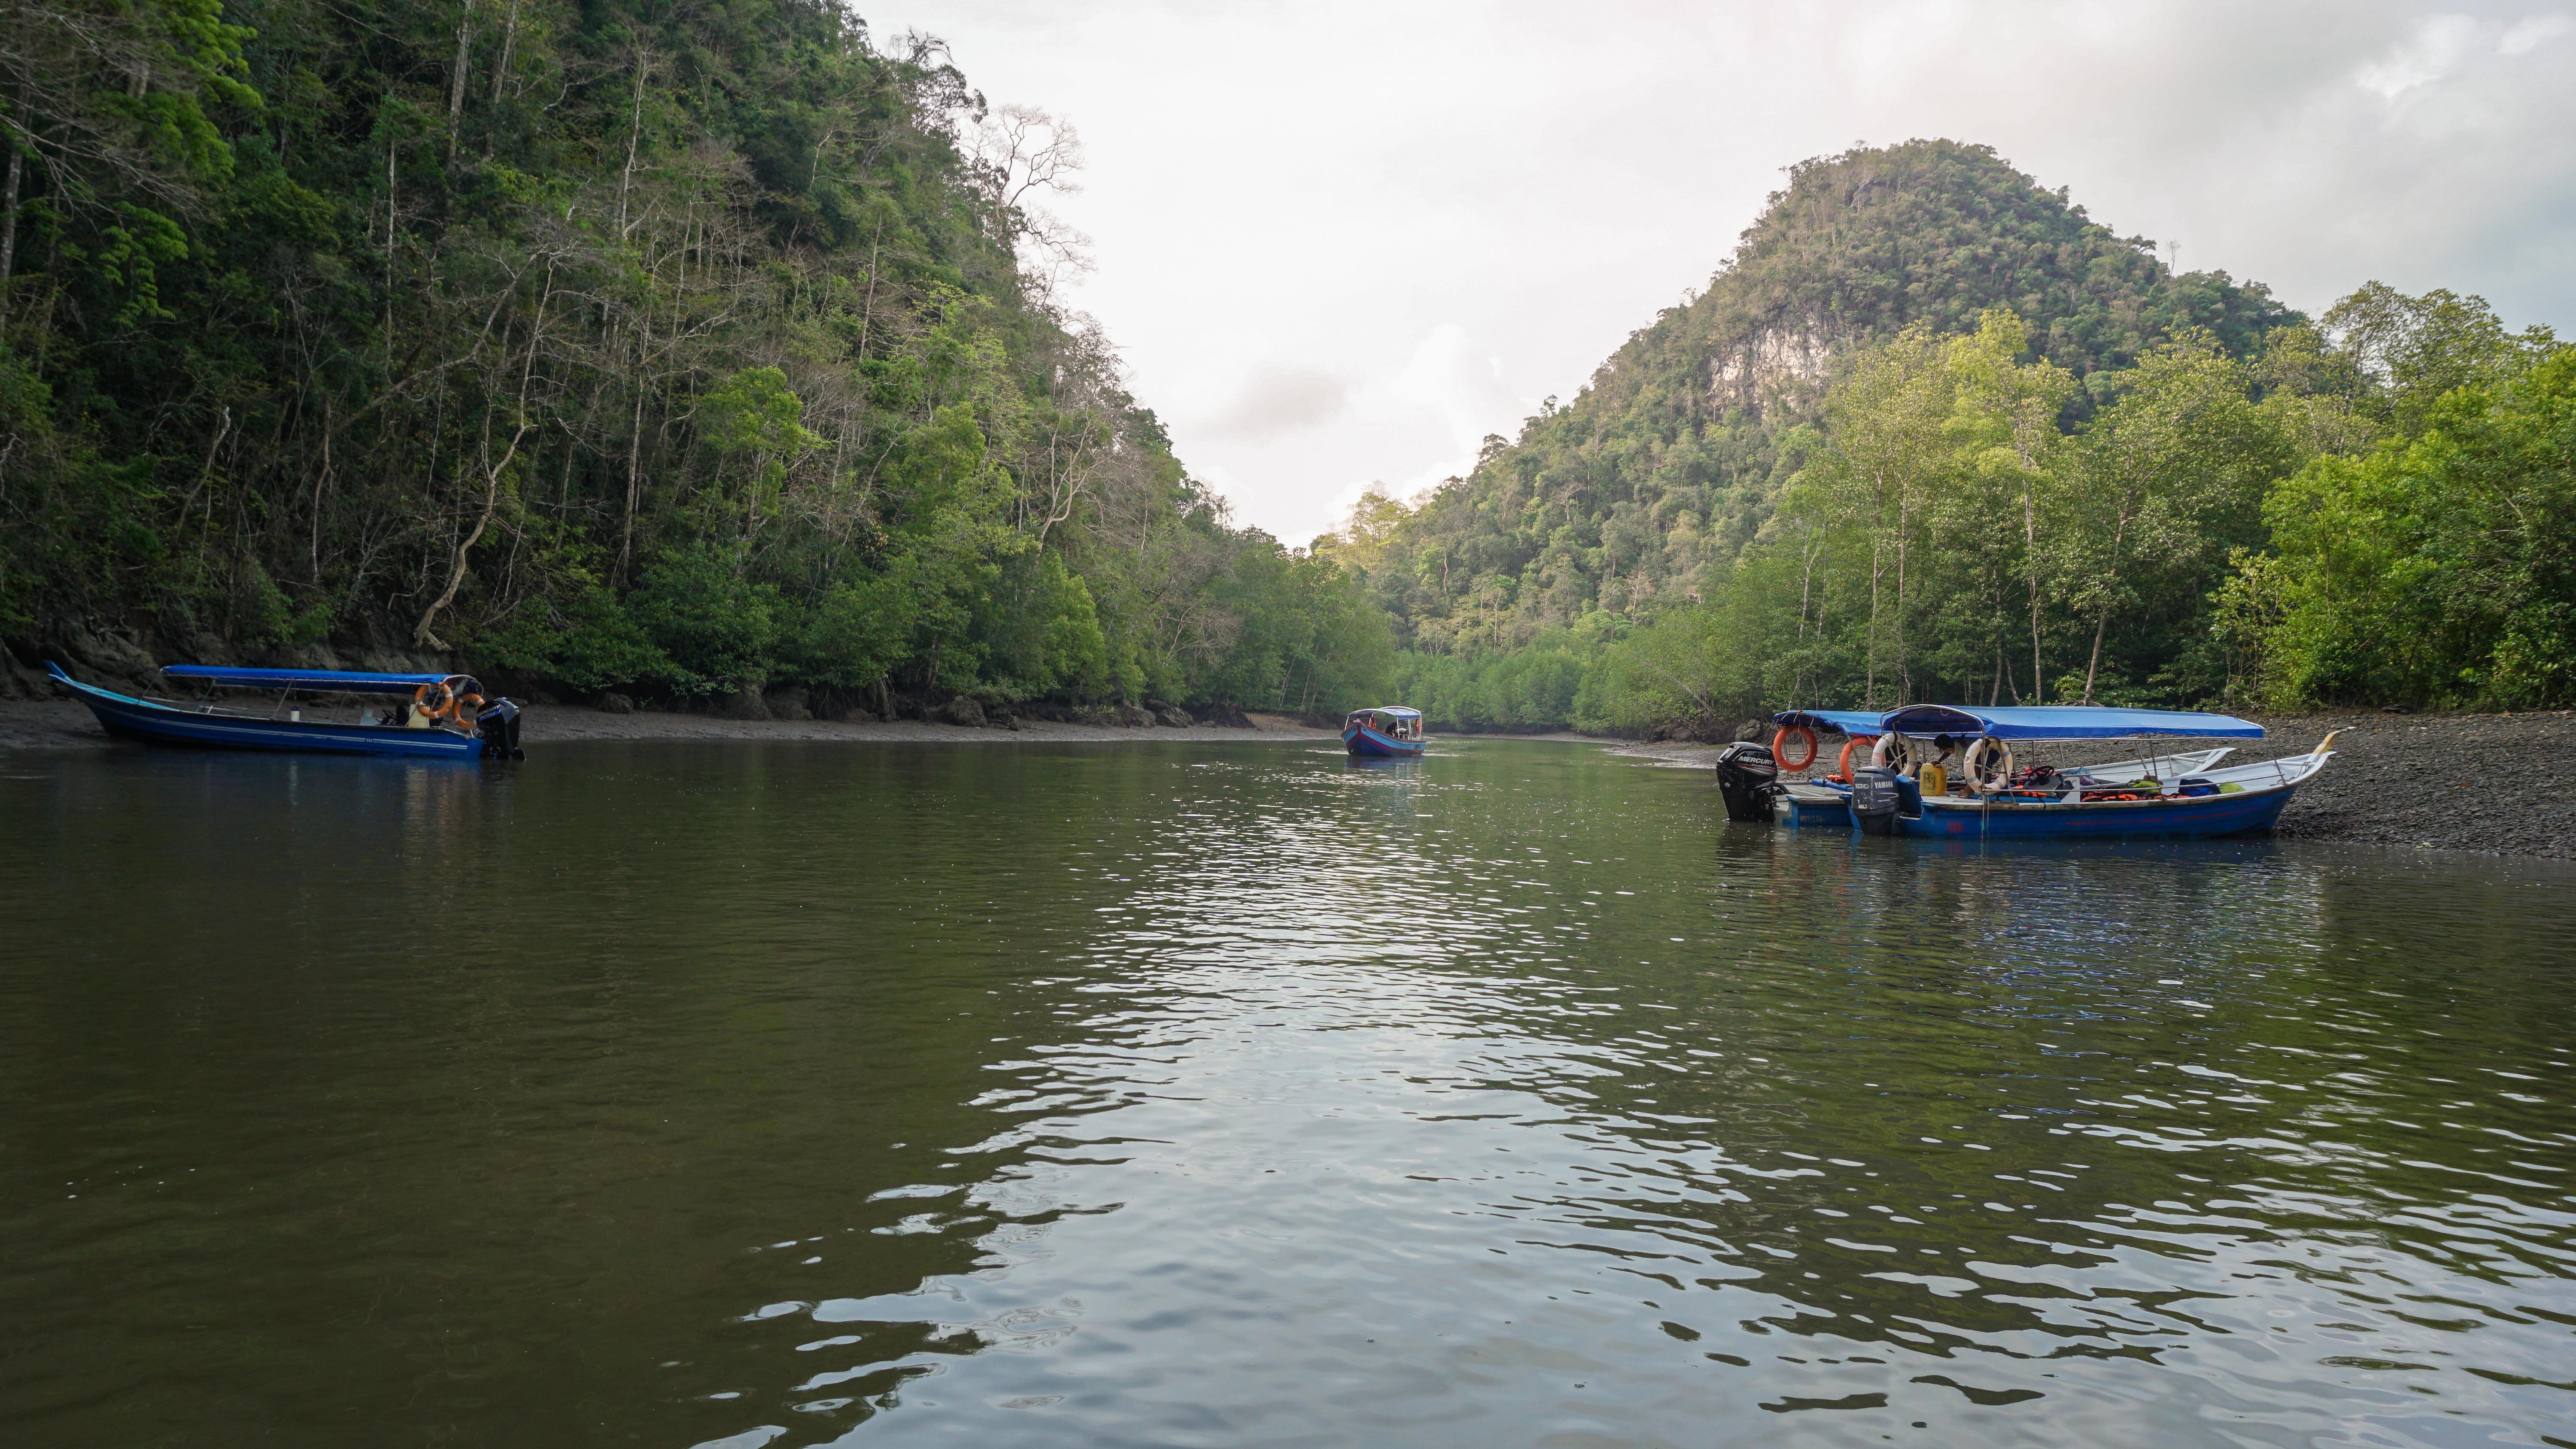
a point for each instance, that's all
(2100, 622)
(456, 81)
(2030, 558)
(9, 226)
(634, 135)
(1904, 675)
(509, 47)
(634, 453)
(320, 481)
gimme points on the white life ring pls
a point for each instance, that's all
(1890, 745)
(1985, 749)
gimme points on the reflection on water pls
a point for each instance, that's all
(1194, 1094)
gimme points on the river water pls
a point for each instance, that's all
(1235, 1095)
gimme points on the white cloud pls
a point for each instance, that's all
(1449, 376)
(2529, 35)
(1278, 398)
(2436, 48)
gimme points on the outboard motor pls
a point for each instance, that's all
(1874, 799)
(498, 727)
(1747, 777)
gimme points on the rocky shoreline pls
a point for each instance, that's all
(2438, 781)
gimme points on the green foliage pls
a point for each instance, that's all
(716, 627)
(2439, 568)
(678, 349)
(1308, 639)
(590, 643)
(1639, 496)
(1934, 435)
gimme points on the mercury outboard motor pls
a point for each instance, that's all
(1874, 799)
(1747, 777)
(499, 728)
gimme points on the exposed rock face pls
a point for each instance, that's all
(613, 703)
(1771, 366)
(1171, 718)
(109, 657)
(17, 681)
(1133, 716)
(304, 656)
(787, 704)
(1224, 716)
(1756, 730)
(963, 712)
(745, 704)
(211, 648)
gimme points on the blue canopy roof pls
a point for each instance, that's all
(2024, 722)
(2064, 722)
(1399, 711)
(336, 681)
(1836, 721)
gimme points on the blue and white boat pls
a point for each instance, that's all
(1386, 731)
(1947, 772)
(446, 716)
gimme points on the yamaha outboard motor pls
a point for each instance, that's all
(1747, 777)
(499, 728)
(1874, 799)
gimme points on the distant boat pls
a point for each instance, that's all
(446, 716)
(1947, 772)
(1383, 731)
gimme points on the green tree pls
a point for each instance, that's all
(2437, 569)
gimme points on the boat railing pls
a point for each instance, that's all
(2274, 774)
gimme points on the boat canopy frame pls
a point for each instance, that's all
(312, 681)
(2024, 722)
(1396, 711)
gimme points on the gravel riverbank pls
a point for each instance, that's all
(2475, 782)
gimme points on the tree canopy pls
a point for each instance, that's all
(679, 349)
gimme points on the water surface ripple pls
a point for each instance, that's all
(1189, 1094)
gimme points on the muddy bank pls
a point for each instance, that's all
(2476, 782)
(68, 725)
(540, 725)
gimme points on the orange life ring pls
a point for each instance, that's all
(1842, 767)
(467, 709)
(1800, 732)
(434, 700)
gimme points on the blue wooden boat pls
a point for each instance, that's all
(1977, 792)
(1386, 731)
(445, 718)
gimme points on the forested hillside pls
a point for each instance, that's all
(680, 350)
(1932, 433)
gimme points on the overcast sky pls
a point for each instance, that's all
(1339, 243)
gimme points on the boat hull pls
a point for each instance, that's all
(1367, 743)
(2201, 817)
(160, 724)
